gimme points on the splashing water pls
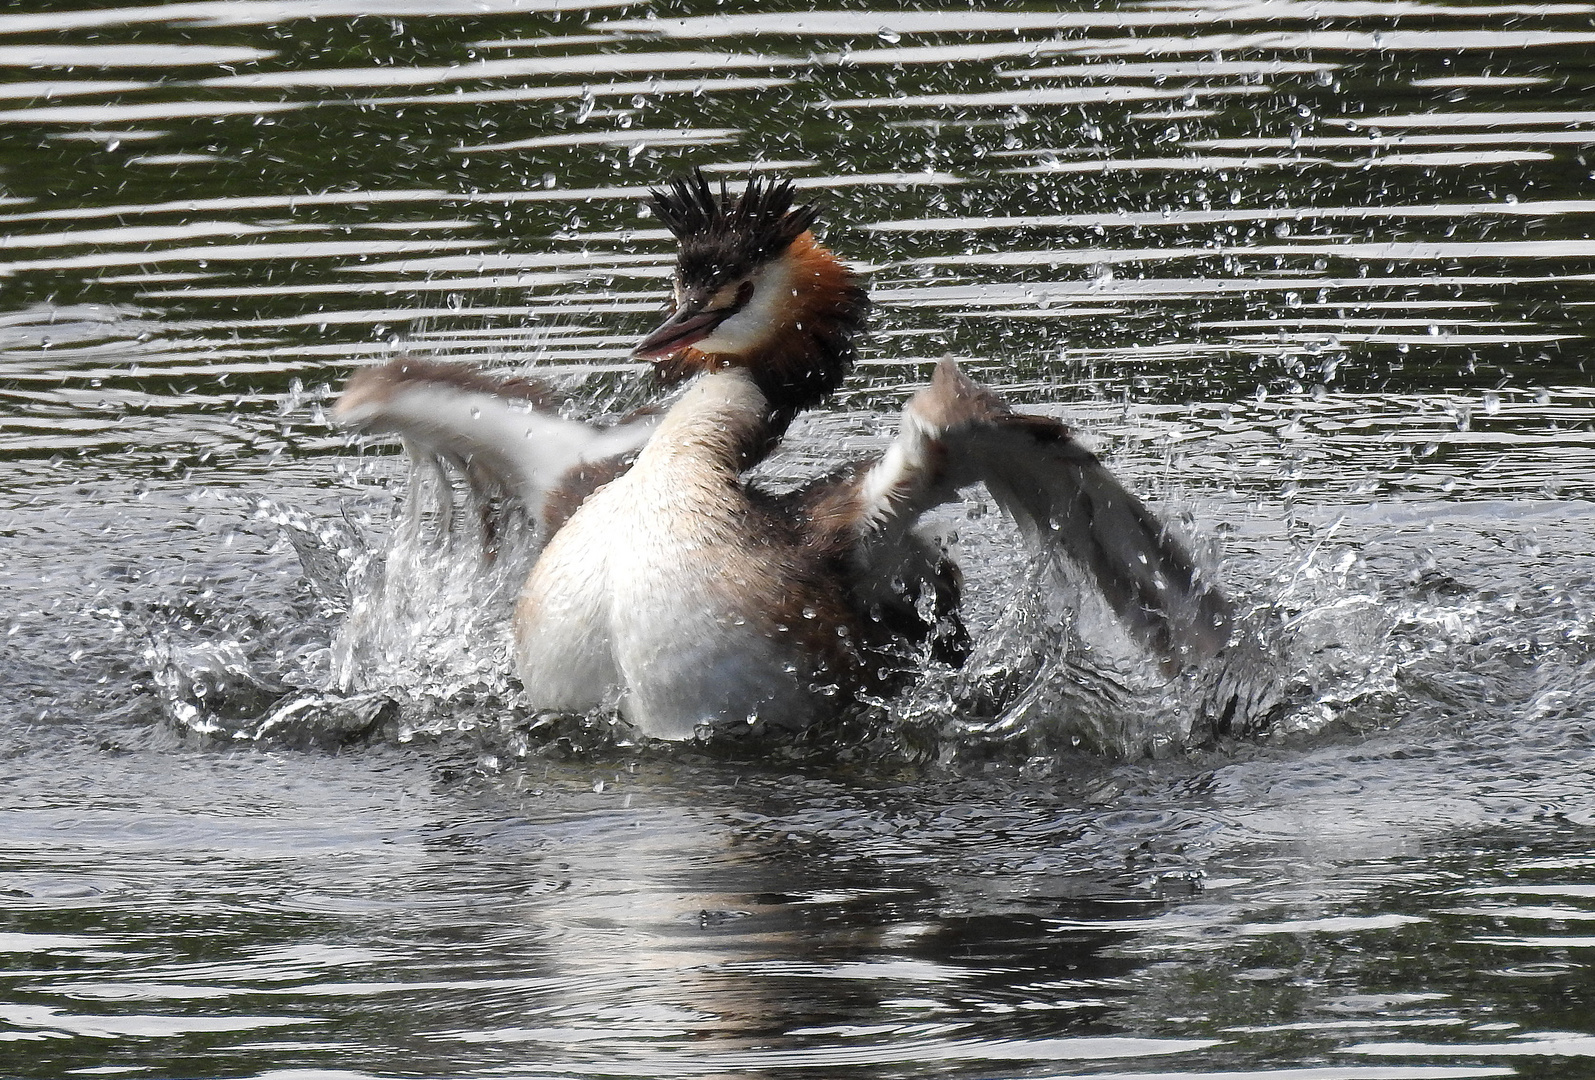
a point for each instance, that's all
(428, 614)
(406, 630)
(412, 634)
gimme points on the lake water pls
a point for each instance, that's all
(1314, 277)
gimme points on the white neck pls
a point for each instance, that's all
(715, 422)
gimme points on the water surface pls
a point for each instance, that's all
(1314, 276)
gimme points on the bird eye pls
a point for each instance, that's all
(731, 296)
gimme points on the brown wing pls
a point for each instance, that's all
(955, 433)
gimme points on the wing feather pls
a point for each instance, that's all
(1066, 503)
(502, 435)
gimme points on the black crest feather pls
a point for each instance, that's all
(723, 237)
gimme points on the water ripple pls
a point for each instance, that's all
(1312, 276)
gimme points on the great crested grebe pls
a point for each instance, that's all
(668, 583)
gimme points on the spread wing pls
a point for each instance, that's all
(955, 433)
(502, 435)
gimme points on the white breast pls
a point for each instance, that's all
(656, 591)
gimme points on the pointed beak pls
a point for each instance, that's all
(686, 325)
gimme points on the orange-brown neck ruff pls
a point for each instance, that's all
(808, 348)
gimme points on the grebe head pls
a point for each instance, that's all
(754, 289)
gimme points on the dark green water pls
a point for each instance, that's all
(1313, 275)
